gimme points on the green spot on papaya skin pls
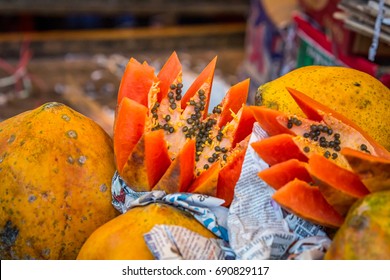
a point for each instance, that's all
(71, 134)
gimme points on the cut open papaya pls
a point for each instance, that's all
(193, 140)
(318, 140)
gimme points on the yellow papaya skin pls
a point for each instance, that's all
(355, 94)
(365, 234)
(56, 167)
(122, 237)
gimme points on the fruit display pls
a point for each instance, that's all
(54, 185)
(357, 95)
(310, 158)
(165, 139)
(322, 165)
(122, 237)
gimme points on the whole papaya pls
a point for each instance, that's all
(56, 167)
(365, 235)
(122, 238)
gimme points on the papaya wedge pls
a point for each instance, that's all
(373, 171)
(306, 201)
(280, 174)
(339, 186)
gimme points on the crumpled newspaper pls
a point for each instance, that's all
(254, 227)
(206, 209)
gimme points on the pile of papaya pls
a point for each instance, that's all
(327, 152)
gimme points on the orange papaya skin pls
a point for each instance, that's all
(136, 82)
(315, 111)
(280, 174)
(340, 187)
(147, 163)
(307, 202)
(373, 171)
(232, 102)
(180, 173)
(278, 148)
(206, 76)
(128, 129)
(171, 70)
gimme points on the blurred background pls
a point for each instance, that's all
(75, 51)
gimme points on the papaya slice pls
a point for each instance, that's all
(278, 148)
(229, 175)
(180, 173)
(206, 183)
(195, 147)
(203, 81)
(270, 120)
(140, 169)
(136, 82)
(306, 201)
(339, 186)
(128, 129)
(280, 174)
(169, 74)
(373, 171)
(318, 112)
(232, 102)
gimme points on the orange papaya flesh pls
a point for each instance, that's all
(141, 171)
(136, 82)
(306, 201)
(278, 148)
(205, 77)
(244, 126)
(169, 74)
(269, 120)
(232, 102)
(317, 111)
(339, 186)
(280, 174)
(128, 129)
(180, 173)
(373, 171)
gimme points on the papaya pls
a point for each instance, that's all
(365, 234)
(122, 237)
(307, 202)
(192, 138)
(309, 148)
(359, 96)
(56, 167)
(373, 171)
